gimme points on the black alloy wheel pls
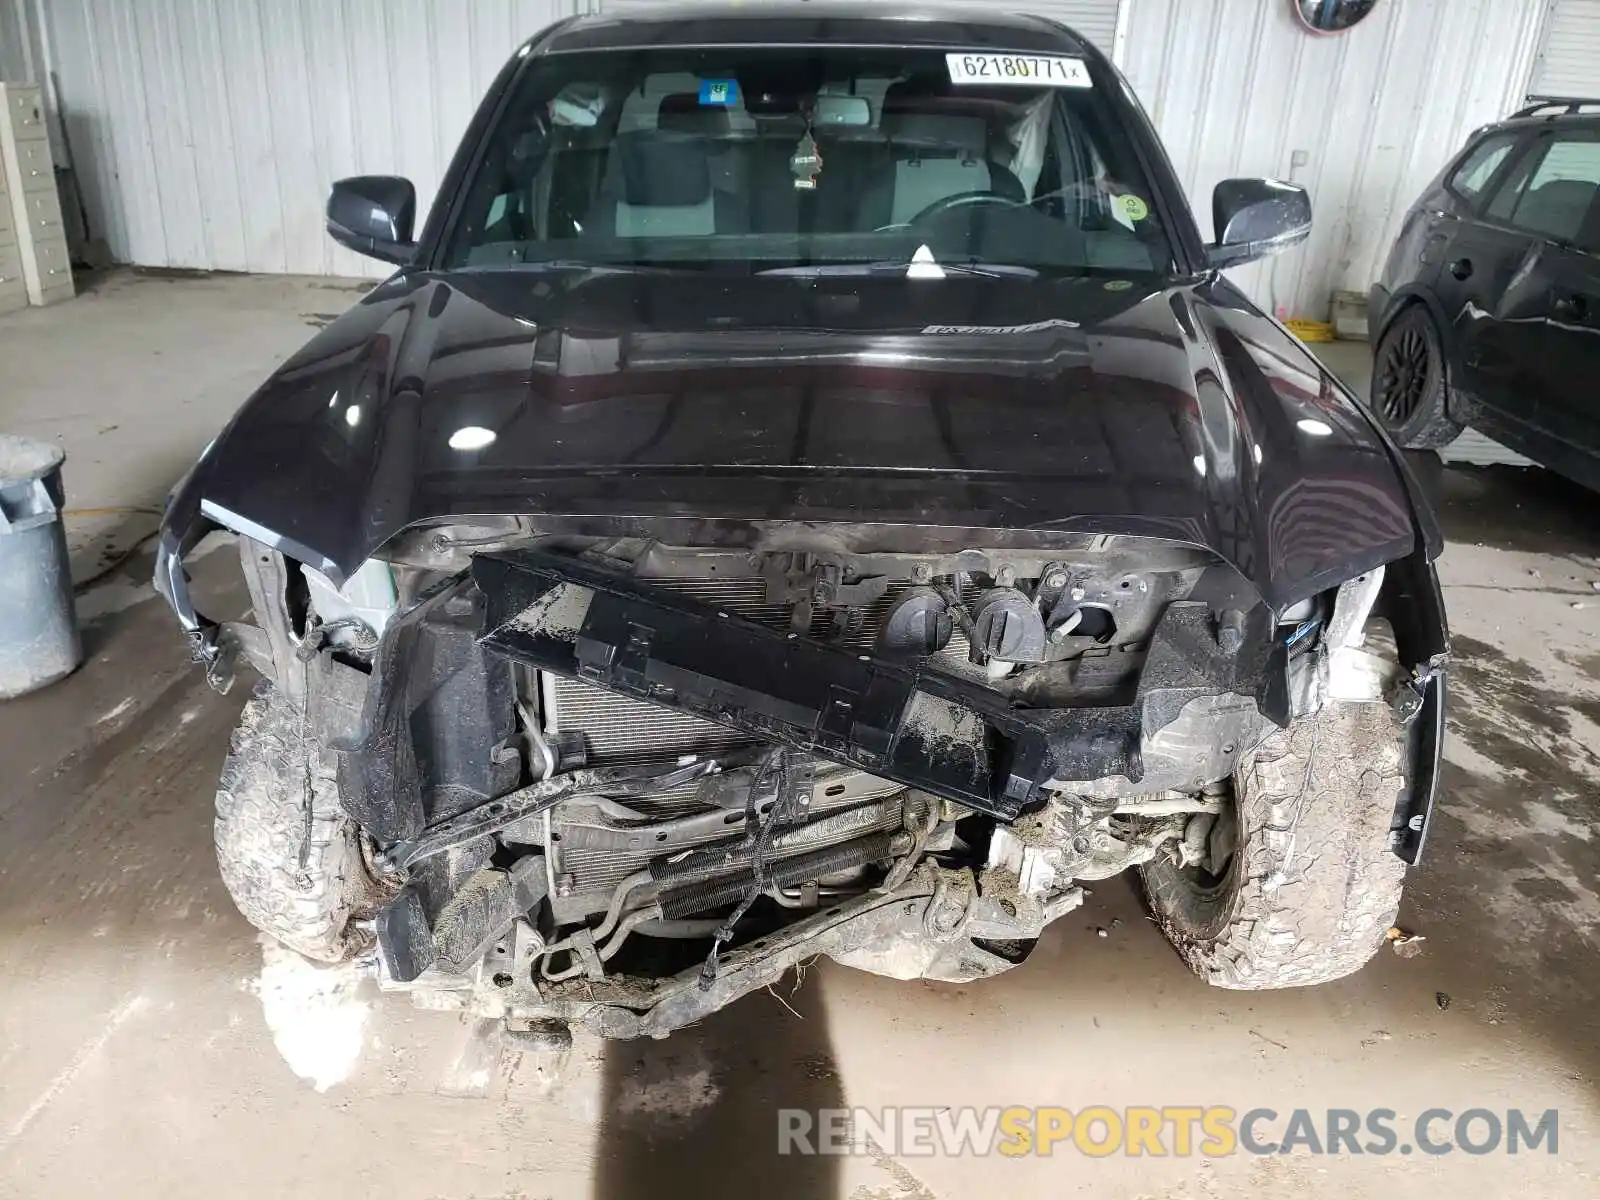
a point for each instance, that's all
(1409, 392)
(1402, 375)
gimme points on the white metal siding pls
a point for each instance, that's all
(1094, 19)
(207, 131)
(1472, 447)
(1569, 59)
(1238, 87)
(14, 57)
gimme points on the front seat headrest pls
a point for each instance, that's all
(683, 113)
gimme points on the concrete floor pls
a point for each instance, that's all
(135, 1054)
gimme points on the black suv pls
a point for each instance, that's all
(810, 490)
(1488, 313)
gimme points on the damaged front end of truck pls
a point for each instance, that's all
(618, 781)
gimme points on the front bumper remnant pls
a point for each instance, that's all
(907, 722)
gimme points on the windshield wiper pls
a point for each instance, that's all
(595, 266)
(975, 269)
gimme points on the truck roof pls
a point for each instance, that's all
(821, 24)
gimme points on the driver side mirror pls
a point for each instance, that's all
(373, 215)
(1256, 217)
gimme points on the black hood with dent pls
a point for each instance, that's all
(1085, 405)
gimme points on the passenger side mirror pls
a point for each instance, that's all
(1257, 217)
(373, 215)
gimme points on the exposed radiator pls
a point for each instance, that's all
(620, 730)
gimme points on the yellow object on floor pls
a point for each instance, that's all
(1310, 331)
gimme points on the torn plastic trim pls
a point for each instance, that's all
(390, 770)
(1414, 605)
(172, 583)
(1409, 693)
(211, 643)
(1413, 817)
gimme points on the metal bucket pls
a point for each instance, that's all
(38, 627)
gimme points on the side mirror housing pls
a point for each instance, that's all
(1257, 217)
(373, 215)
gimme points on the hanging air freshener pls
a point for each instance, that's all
(806, 163)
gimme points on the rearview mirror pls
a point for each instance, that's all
(851, 112)
(373, 215)
(1257, 217)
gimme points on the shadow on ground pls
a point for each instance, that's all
(697, 1114)
(1509, 508)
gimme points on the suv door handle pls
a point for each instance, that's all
(1574, 307)
(1461, 268)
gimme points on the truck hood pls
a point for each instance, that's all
(1085, 405)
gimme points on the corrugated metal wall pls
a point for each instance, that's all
(1095, 19)
(14, 58)
(1569, 59)
(207, 131)
(1238, 87)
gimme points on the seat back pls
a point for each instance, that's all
(682, 113)
(935, 155)
(937, 147)
(662, 187)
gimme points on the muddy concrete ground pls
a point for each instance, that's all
(137, 1011)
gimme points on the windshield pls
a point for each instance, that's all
(751, 159)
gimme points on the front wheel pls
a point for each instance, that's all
(1409, 389)
(290, 856)
(1295, 882)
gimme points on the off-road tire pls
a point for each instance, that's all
(1313, 886)
(1429, 425)
(290, 857)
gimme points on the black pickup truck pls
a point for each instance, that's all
(808, 490)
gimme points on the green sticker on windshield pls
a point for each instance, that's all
(1132, 207)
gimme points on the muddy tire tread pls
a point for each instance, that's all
(1317, 887)
(288, 853)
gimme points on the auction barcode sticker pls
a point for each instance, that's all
(1032, 70)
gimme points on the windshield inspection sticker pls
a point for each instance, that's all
(1029, 70)
(719, 93)
(1133, 207)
